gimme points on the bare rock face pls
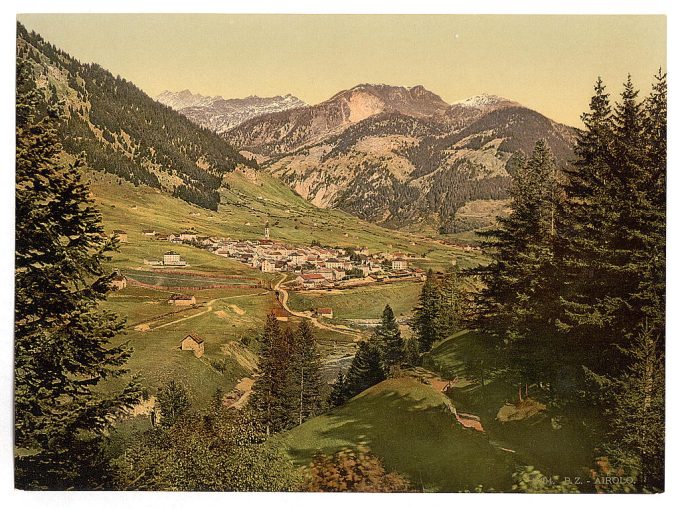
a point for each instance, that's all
(290, 130)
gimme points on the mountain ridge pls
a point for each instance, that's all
(219, 114)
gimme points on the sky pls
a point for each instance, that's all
(548, 63)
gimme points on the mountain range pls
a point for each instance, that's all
(401, 157)
(219, 114)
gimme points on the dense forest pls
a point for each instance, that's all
(123, 131)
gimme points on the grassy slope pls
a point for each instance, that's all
(565, 450)
(253, 199)
(407, 424)
(157, 357)
(367, 302)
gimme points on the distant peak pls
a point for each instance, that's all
(483, 100)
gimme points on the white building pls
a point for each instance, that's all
(173, 259)
(399, 264)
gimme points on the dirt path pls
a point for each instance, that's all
(340, 329)
(209, 309)
(244, 388)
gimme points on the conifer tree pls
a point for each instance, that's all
(339, 394)
(62, 340)
(451, 308)
(366, 369)
(614, 228)
(269, 386)
(634, 403)
(306, 383)
(427, 315)
(388, 338)
(173, 401)
(519, 302)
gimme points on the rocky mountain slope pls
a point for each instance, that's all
(122, 131)
(287, 131)
(400, 157)
(219, 114)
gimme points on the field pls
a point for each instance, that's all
(408, 425)
(224, 318)
(365, 303)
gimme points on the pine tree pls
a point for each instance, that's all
(634, 403)
(427, 314)
(306, 382)
(62, 340)
(339, 394)
(366, 369)
(451, 308)
(518, 304)
(388, 338)
(173, 402)
(267, 387)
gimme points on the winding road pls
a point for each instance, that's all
(308, 314)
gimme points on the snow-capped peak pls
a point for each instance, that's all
(482, 101)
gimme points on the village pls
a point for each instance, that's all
(314, 266)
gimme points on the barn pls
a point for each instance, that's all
(193, 342)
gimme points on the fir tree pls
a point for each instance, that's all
(62, 340)
(388, 338)
(339, 394)
(306, 383)
(451, 307)
(426, 320)
(634, 402)
(267, 386)
(518, 304)
(365, 371)
(173, 402)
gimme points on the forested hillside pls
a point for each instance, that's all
(123, 131)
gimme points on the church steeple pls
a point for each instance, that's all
(266, 230)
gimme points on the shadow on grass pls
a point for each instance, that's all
(558, 443)
(414, 433)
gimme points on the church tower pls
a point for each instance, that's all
(266, 230)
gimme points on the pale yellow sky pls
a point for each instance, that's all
(548, 63)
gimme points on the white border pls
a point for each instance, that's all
(242, 500)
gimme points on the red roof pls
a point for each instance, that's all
(324, 311)
(312, 277)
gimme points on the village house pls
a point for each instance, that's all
(122, 235)
(327, 274)
(325, 312)
(118, 282)
(182, 300)
(297, 258)
(334, 263)
(310, 280)
(175, 238)
(339, 274)
(149, 233)
(173, 259)
(187, 235)
(399, 264)
(193, 342)
(268, 266)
